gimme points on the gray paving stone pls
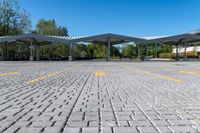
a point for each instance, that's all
(109, 123)
(76, 100)
(181, 122)
(41, 124)
(182, 129)
(106, 130)
(77, 124)
(163, 129)
(197, 127)
(125, 130)
(52, 130)
(90, 130)
(29, 130)
(93, 123)
(161, 123)
(71, 130)
(123, 123)
(196, 121)
(147, 130)
(12, 129)
(140, 123)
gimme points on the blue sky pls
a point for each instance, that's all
(129, 17)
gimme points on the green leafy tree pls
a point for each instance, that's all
(80, 50)
(49, 27)
(12, 19)
(129, 51)
(57, 50)
(115, 52)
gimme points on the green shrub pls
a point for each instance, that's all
(167, 55)
(180, 55)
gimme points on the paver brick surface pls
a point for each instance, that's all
(99, 97)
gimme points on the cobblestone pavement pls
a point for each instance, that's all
(99, 97)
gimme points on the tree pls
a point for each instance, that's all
(62, 31)
(115, 51)
(129, 51)
(12, 19)
(49, 27)
(80, 50)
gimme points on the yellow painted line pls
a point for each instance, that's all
(49, 75)
(155, 74)
(9, 74)
(100, 73)
(189, 72)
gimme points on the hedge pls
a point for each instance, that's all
(181, 55)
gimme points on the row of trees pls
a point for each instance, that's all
(14, 20)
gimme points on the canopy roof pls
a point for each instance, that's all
(113, 38)
(195, 32)
(101, 39)
(98, 39)
(177, 39)
(32, 37)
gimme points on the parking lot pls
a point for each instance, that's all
(99, 97)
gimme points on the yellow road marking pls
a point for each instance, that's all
(155, 74)
(100, 73)
(49, 75)
(189, 72)
(9, 73)
(46, 76)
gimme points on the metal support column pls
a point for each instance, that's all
(70, 52)
(176, 58)
(147, 52)
(156, 50)
(6, 50)
(31, 58)
(185, 52)
(2, 54)
(19, 52)
(38, 53)
(138, 50)
(108, 50)
(106, 47)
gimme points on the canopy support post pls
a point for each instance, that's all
(2, 54)
(147, 52)
(70, 52)
(176, 58)
(6, 49)
(156, 50)
(185, 52)
(108, 50)
(31, 58)
(37, 53)
(138, 50)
